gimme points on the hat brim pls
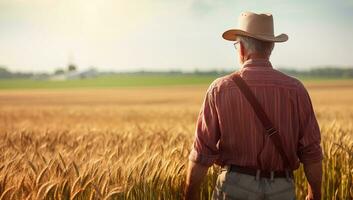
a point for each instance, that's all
(232, 34)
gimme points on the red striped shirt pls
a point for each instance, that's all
(229, 132)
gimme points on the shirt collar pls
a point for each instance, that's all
(257, 62)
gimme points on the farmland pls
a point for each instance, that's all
(108, 81)
(132, 142)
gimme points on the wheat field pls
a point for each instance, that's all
(133, 143)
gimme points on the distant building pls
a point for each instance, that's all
(71, 75)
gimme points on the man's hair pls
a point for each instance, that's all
(253, 45)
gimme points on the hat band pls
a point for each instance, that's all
(261, 35)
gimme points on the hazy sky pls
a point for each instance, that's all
(125, 35)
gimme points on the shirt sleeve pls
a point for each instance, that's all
(205, 149)
(309, 149)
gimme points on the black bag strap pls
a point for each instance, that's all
(266, 122)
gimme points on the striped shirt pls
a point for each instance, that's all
(229, 132)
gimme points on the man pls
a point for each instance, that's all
(229, 131)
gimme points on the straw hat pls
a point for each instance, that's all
(259, 26)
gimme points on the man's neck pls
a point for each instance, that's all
(255, 56)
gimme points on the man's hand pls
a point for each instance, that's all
(195, 174)
(313, 173)
(310, 195)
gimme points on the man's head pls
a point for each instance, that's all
(248, 47)
(255, 36)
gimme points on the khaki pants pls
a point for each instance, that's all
(237, 186)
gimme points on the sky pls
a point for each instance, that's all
(130, 35)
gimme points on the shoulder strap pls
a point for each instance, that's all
(259, 111)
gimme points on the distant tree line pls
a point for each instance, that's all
(326, 72)
(5, 74)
